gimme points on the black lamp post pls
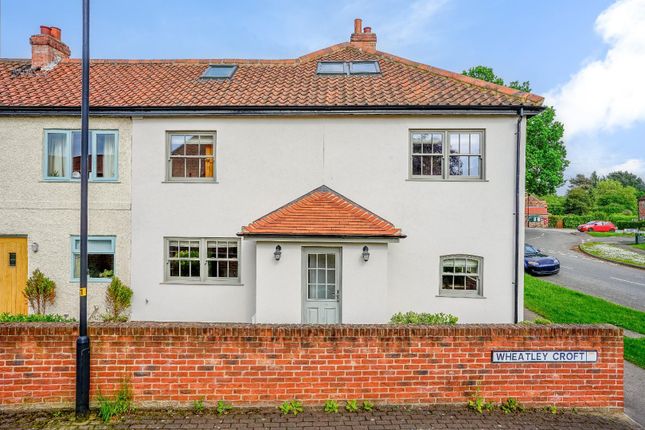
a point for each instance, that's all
(83, 341)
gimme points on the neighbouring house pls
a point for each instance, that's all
(338, 187)
(641, 208)
(536, 212)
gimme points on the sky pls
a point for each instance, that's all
(587, 57)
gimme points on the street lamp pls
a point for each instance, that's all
(83, 340)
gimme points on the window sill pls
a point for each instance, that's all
(445, 180)
(456, 296)
(190, 182)
(92, 281)
(78, 181)
(197, 283)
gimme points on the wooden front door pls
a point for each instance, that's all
(13, 274)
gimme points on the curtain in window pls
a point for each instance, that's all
(56, 155)
(105, 156)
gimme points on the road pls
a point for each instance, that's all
(614, 282)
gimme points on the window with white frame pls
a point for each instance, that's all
(100, 258)
(63, 155)
(461, 275)
(446, 154)
(203, 260)
(191, 157)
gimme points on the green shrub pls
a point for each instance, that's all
(573, 221)
(351, 406)
(423, 318)
(121, 404)
(6, 317)
(118, 298)
(291, 407)
(331, 406)
(40, 292)
(223, 408)
(511, 405)
(553, 220)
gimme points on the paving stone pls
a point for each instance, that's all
(380, 419)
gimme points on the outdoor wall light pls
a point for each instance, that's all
(278, 253)
(366, 253)
(34, 246)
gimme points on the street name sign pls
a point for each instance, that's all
(544, 356)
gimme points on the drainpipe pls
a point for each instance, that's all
(516, 274)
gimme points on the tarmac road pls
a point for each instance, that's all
(614, 282)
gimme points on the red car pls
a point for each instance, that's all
(597, 226)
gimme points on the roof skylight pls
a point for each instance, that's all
(348, 68)
(219, 71)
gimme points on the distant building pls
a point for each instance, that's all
(536, 212)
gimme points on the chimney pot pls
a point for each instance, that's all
(358, 24)
(47, 49)
(56, 33)
(362, 37)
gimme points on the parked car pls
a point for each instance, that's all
(601, 226)
(537, 263)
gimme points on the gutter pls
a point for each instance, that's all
(516, 274)
(166, 111)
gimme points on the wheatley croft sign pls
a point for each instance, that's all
(544, 356)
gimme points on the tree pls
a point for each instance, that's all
(629, 180)
(612, 197)
(555, 203)
(546, 155)
(578, 201)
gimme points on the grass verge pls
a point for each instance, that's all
(562, 305)
(608, 234)
(639, 246)
(613, 253)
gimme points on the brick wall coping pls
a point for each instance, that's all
(301, 330)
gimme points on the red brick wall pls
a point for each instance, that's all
(263, 364)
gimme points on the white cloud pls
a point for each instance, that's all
(608, 93)
(633, 165)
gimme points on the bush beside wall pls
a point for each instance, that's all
(266, 364)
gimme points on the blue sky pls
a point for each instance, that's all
(567, 52)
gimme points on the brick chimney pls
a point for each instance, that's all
(47, 49)
(363, 37)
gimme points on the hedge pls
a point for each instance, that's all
(573, 221)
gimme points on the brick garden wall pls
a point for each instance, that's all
(267, 364)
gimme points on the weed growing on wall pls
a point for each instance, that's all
(478, 404)
(351, 406)
(511, 405)
(121, 404)
(291, 407)
(198, 406)
(331, 406)
(223, 408)
(367, 406)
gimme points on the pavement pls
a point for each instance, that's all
(614, 282)
(381, 419)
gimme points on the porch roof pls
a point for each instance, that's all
(322, 212)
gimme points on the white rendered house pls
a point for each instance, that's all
(339, 187)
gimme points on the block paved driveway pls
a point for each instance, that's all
(383, 419)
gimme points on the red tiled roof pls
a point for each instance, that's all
(322, 212)
(256, 83)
